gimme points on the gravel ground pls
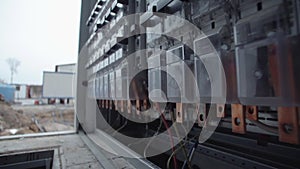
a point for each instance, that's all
(23, 119)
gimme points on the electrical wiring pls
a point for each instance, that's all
(111, 125)
(172, 155)
(183, 146)
(118, 118)
(174, 152)
(120, 128)
(191, 153)
(148, 144)
(170, 134)
(265, 127)
(134, 143)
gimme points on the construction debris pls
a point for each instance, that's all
(20, 119)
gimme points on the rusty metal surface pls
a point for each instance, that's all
(145, 104)
(138, 107)
(288, 119)
(128, 106)
(251, 112)
(238, 118)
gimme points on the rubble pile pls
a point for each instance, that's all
(18, 119)
(15, 122)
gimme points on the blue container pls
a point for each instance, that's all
(8, 92)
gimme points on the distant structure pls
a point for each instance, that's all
(21, 91)
(58, 85)
(66, 68)
(7, 92)
(25, 91)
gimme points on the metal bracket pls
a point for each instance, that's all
(238, 118)
(116, 105)
(122, 106)
(128, 106)
(110, 102)
(145, 104)
(251, 112)
(179, 113)
(220, 110)
(102, 103)
(138, 107)
(288, 125)
(107, 104)
(201, 108)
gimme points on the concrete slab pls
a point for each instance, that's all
(70, 150)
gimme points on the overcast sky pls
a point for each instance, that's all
(39, 33)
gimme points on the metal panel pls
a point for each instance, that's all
(58, 85)
(157, 77)
(267, 72)
(67, 68)
(106, 85)
(112, 84)
(21, 93)
(118, 83)
(180, 82)
(121, 80)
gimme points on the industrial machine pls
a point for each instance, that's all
(227, 68)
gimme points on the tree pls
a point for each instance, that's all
(13, 65)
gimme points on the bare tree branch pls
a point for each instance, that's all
(13, 66)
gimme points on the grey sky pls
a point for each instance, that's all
(39, 33)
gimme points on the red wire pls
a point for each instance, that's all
(170, 134)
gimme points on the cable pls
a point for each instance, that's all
(182, 145)
(120, 128)
(191, 153)
(156, 133)
(170, 134)
(265, 127)
(172, 155)
(188, 158)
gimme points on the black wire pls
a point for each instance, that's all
(155, 134)
(265, 127)
(190, 156)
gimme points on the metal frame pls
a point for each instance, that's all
(40, 134)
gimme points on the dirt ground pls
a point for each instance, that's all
(23, 119)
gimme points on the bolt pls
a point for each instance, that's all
(288, 128)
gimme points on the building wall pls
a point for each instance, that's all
(22, 92)
(86, 8)
(36, 91)
(8, 92)
(67, 68)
